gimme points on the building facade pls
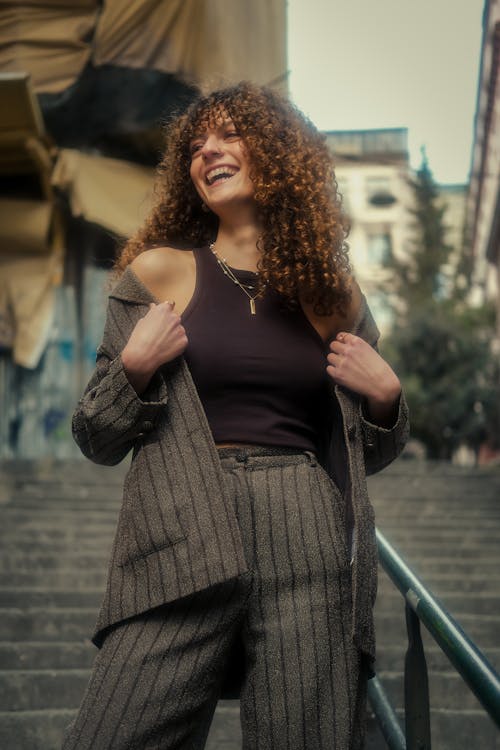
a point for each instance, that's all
(483, 198)
(372, 170)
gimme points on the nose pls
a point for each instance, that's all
(211, 147)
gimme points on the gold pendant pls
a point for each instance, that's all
(252, 306)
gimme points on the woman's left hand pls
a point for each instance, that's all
(353, 363)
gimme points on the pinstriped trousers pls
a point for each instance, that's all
(157, 677)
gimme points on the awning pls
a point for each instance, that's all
(204, 40)
(110, 192)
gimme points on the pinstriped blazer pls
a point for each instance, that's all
(177, 532)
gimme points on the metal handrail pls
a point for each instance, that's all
(388, 721)
(469, 662)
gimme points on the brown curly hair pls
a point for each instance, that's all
(302, 243)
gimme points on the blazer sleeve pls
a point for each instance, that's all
(110, 416)
(381, 445)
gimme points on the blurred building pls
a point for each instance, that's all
(483, 199)
(85, 86)
(453, 200)
(372, 170)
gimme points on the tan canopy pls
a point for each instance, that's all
(113, 193)
(47, 39)
(208, 41)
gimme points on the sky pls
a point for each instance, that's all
(360, 64)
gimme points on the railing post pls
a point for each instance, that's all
(417, 718)
(385, 715)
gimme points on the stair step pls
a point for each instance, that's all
(482, 629)
(44, 730)
(390, 657)
(61, 548)
(34, 730)
(435, 550)
(31, 538)
(459, 729)
(450, 582)
(20, 517)
(47, 655)
(457, 603)
(41, 624)
(22, 690)
(449, 687)
(457, 536)
(59, 579)
(59, 506)
(394, 519)
(50, 597)
(424, 568)
(46, 561)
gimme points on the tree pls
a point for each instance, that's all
(450, 377)
(440, 346)
(419, 277)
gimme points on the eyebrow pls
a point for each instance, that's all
(223, 124)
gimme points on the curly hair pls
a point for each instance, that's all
(302, 242)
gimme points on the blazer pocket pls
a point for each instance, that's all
(149, 520)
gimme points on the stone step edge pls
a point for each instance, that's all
(225, 706)
(81, 671)
(59, 642)
(393, 591)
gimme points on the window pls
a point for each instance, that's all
(379, 192)
(381, 310)
(379, 248)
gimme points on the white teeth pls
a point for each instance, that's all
(215, 173)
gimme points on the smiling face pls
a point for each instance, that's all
(220, 168)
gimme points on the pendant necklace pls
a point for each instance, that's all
(244, 287)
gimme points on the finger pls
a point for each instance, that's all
(337, 347)
(170, 303)
(334, 359)
(344, 337)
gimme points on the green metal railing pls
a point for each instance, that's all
(469, 662)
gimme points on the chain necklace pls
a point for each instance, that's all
(244, 287)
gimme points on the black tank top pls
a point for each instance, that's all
(261, 378)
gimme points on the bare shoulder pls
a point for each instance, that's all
(160, 263)
(162, 268)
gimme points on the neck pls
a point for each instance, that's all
(238, 245)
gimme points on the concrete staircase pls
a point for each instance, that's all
(57, 521)
(56, 529)
(445, 522)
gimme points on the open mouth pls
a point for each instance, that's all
(219, 175)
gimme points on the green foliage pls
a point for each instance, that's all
(441, 347)
(450, 378)
(418, 277)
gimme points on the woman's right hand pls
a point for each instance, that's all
(157, 338)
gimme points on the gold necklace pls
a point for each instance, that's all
(244, 288)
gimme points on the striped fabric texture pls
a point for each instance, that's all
(177, 532)
(158, 675)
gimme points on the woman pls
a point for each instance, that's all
(238, 365)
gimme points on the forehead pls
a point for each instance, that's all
(210, 117)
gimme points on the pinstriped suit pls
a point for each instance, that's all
(179, 537)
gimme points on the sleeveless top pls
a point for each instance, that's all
(261, 378)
